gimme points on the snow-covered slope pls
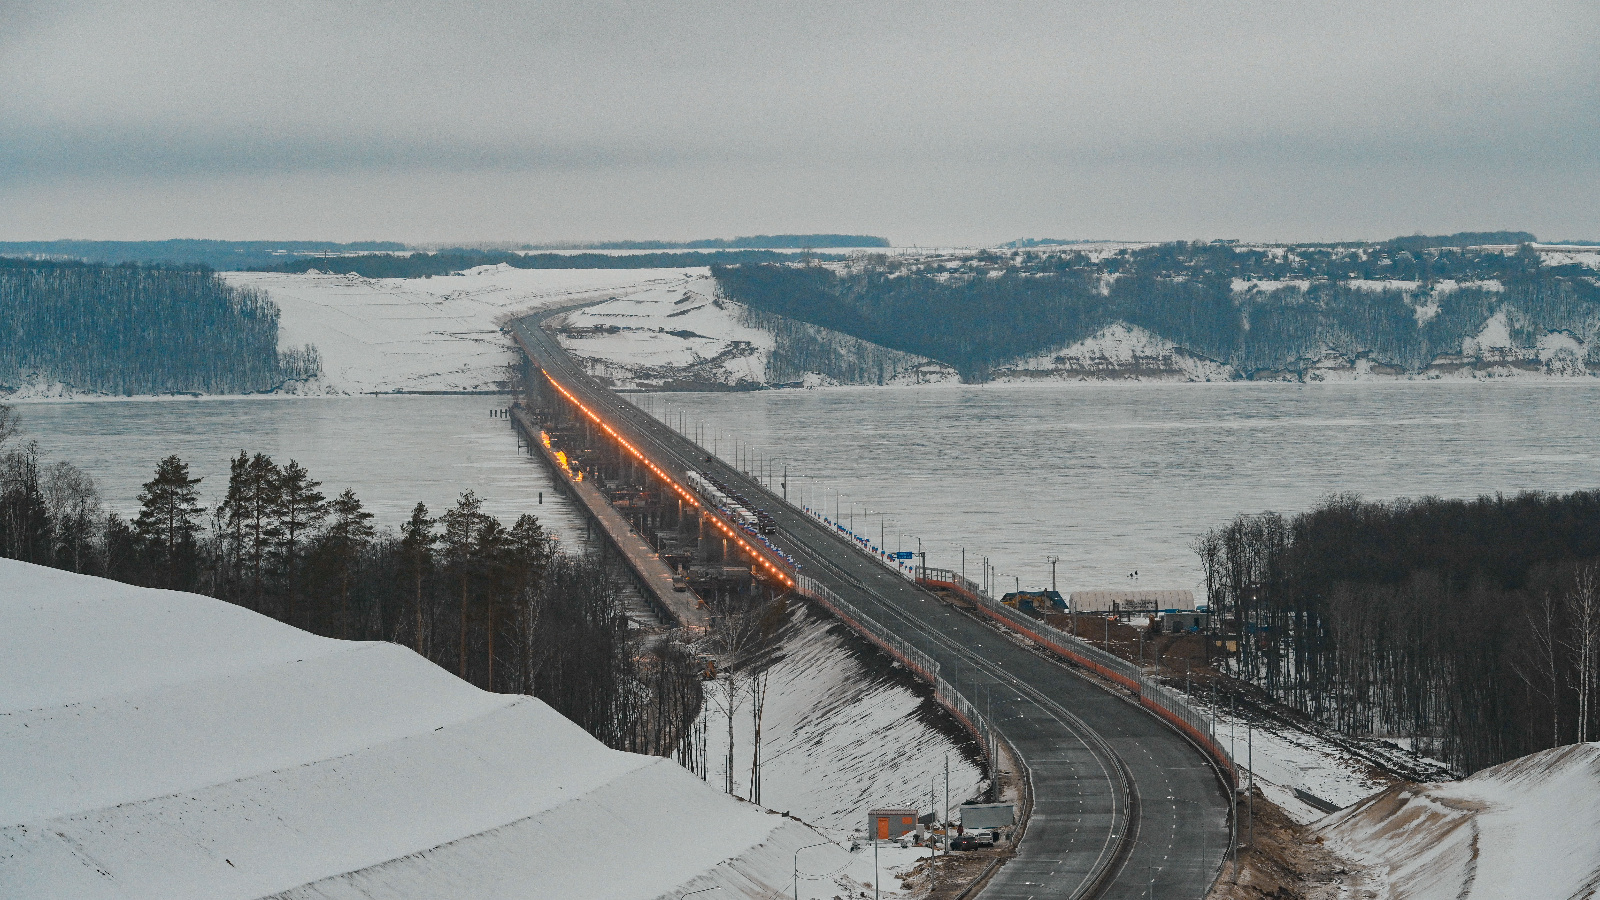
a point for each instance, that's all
(1528, 828)
(1117, 352)
(427, 334)
(684, 336)
(842, 732)
(165, 745)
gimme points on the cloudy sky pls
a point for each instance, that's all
(930, 123)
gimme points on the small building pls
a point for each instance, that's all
(891, 822)
(1181, 621)
(1129, 602)
(988, 815)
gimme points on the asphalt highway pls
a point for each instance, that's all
(1123, 805)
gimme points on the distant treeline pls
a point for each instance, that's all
(445, 262)
(135, 329)
(1460, 239)
(225, 256)
(1471, 627)
(751, 242)
(982, 311)
(499, 605)
(220, 255)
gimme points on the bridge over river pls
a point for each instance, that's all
(1125, 803)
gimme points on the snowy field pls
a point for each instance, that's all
(165, 745)
(428, 334)
(1525, 828)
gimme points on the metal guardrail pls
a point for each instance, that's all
(921, 663)
(1170, 705)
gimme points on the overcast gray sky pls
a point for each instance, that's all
(932, 123)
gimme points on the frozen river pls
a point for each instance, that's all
(1111, 479)
(1115, 479)
(393, 451)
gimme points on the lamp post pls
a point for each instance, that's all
(797, 866)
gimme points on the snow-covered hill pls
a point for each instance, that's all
(1119, 352)
(684, 336)
(427, 334)
(164, 745)
(1528, 828)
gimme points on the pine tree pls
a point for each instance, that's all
(349, 531)
(416, 545)
(169, 510)
(260, 494)
(532, 549)
(299, 510)
(232, 521)
(495, 553)
(461, 526)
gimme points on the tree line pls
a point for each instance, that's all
(499, 605)
(446, 262)
(137, 329)
(1471, 627)
(220, 255)
(1227, 303)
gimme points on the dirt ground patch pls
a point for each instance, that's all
(1286, 863)
(946, 877)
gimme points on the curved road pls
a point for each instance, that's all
(1124, 806)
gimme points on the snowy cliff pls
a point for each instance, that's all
(166, 745)
(1525, 828)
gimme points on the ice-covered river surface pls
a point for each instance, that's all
(1115, 479)
(1110, 478)
(394, 451)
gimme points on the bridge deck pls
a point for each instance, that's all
(655, 576)
(1124, 806)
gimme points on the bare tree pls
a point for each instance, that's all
(1544, 669)
(73, 505)
(1583, 612)
(10, 424)
(728, 700)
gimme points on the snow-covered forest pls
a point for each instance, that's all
(1262, 312)
(133, 329)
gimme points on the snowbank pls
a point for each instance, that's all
(166, 745)
(1526, 828)
(427, 334)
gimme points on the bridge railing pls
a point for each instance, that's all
(922, 664)
(1172, 706)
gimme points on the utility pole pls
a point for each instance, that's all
(946, 819)
(875, 876)
(1053, 560)
(1250, 799)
